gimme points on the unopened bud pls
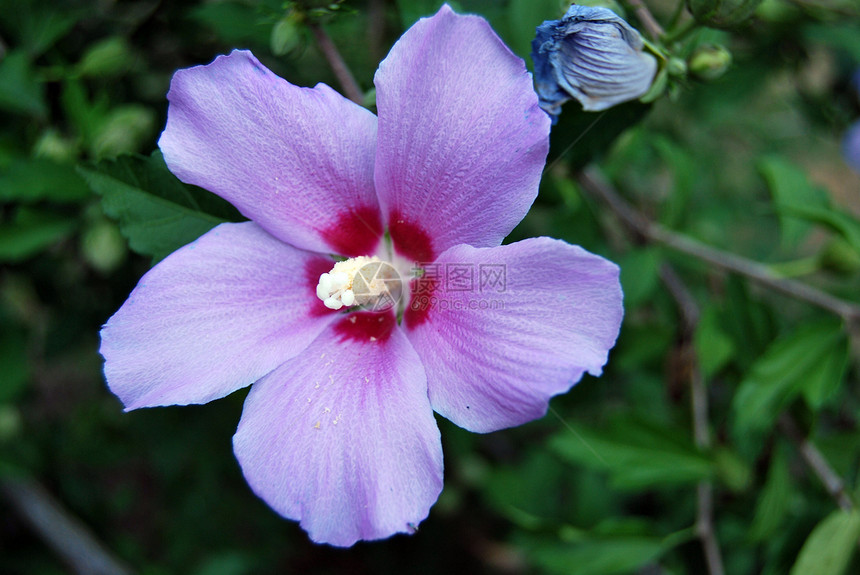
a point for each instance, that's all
(709, 62)
(285, 35)
(102, 246)
(593, 56)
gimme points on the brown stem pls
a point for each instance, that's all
(341, 70)
(689, 311)
(816, 462)
(62, 531)
(594, 183)
(648, 21)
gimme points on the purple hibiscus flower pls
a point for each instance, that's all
(338, 430)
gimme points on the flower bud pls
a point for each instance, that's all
(723, 14)
(590, 55)
(102, 246)
(285, 35)
(709, 62)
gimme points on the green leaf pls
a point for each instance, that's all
(844, 36)
(832, 218)
(594, 555)
(109, 57)
(829, 547)
(529, 493)
(86, 116)
(789, 186)
(581, 137)
(636, 454)
(731, 469)
(817, 390)
(713, 346)
(411, 10)
(810, 360)
(639, 274)
(686, 175)
(523, 17)
(35, 179)
(234, 22)
(30, 232)
(156, 212)
(20, 92)
(39, 25)
(773, 502)
(749, 323)
(801, 203)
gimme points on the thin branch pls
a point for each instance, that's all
(337, 63)
(648, 21)
(64, 533)
(689, 311)
(594, 184)
(705, 528)
(816, 462)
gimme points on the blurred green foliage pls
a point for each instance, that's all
(747, 162)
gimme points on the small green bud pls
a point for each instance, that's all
(722, 14)
(110, 57)
(285, 35)
(102, 246)
(709, 62)
(676, 67)
(732, 470)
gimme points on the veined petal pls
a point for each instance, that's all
(213, 317)
(342, 438)
(506, 328)
(297, 161)
(462, 141)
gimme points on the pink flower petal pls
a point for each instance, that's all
(462, 141)
(213, 317)
(538, 314)
(297, 161)
(342, 437)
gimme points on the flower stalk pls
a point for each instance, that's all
(341, 71)
(689, 311)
